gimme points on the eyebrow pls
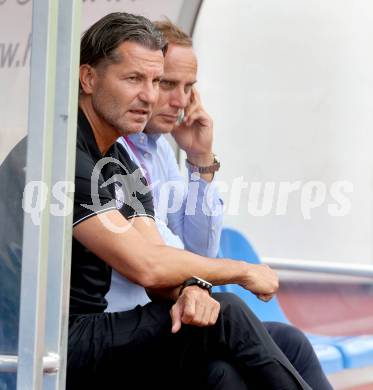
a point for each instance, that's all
(132, 73)
(140, 74)
(170, 80)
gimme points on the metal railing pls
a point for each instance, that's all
(51, 363)
(347, 269)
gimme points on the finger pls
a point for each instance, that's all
(215, 314)
(268, 297)
(176, 313)
(189, 109)
(209, 308)
(194, 103)
(195, 96)
(199, 313)
(265, 297)
(188, 311)
(197, 116)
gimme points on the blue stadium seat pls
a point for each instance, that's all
(334, 353)
(357, 351)
(217, 289)
(235, 246)
(330, 358)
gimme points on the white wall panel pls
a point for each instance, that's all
(289, 84)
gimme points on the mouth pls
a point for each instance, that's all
(174, 116)
(170, 117)
(140, 112)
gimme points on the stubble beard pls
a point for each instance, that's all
(110, 112)
(162, 128)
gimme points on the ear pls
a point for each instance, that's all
(87, 76)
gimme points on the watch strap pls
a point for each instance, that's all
(196, 281)
(215, 166)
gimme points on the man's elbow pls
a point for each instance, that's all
(150, 278)
(152, 275)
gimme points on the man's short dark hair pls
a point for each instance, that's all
(100, 41)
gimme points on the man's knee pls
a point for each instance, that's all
(223, 375)
(233, 307)
(219, 369)
(227, 299)
(289, 337)
(298, 349)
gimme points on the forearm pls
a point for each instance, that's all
(171, 267)
(153, 265)
(163, 294)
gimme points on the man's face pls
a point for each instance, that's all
(180, 70)
(124, 93)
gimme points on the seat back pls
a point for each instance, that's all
(234, 245)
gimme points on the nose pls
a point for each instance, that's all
(149, 93)
(179, 98)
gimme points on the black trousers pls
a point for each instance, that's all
(296, 347)
(136, 350)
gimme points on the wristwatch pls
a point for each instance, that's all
(209, 169)
(196, 281)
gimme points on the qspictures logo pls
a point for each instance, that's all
(261, 198)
